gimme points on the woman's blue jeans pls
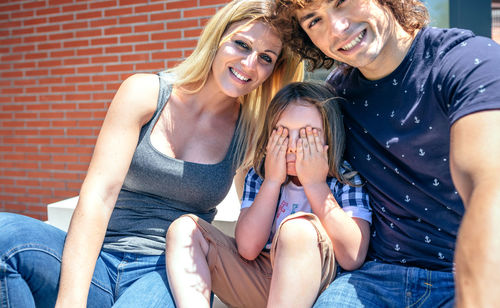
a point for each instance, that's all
(30, 263)
(386, 285)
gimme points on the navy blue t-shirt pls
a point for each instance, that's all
(398, 138)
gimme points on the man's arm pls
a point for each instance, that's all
(475, 169)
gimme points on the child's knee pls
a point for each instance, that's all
(297, 233)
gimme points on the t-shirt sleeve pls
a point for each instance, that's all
(353, 200)
(251, 188)
(469, 78)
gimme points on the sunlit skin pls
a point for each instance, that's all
(245, 59)
(359, 33)
(296, 146)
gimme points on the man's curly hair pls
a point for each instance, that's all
(410, 14)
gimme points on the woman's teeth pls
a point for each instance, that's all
(239, 76)
(354, 41)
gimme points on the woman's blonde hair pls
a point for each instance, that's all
(321, 96)
(195, 69)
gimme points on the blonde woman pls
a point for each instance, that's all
(170, 144)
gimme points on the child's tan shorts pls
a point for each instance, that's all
(242, 283)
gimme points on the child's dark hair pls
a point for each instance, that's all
(323, 98)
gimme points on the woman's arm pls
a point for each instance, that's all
(132, 106)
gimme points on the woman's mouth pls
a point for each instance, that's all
(238, 75)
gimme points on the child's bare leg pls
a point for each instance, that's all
(187, 268)
(297, 266)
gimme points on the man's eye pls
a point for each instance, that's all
(340, 2)
(242, 44)
(313, 22)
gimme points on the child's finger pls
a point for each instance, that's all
(305, 142)
(310, 138)
(317, 141)
(300, 150)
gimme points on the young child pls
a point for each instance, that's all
(302, 210)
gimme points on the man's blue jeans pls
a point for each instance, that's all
(386, 285)
(30, 262)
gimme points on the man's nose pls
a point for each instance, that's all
(338, 23)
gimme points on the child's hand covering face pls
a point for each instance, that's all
(275, 163)
(312, 157)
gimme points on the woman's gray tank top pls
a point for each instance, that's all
(158, 189)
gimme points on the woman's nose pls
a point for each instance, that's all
(250, 60)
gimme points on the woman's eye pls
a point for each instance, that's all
(340, 2)
(266, 58)
(242, 44)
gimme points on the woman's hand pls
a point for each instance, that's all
(312, 157)
(275, 163)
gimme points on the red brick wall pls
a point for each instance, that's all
(60, 63)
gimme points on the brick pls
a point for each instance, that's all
(76, 61)
(62, 71)
(75, 25)
(199, 12)
(77, 97)
(50, 63)
(183, 24)
(182, 44)
(163, 36)
(117, 30)
(136, 57)
(102, 4)
(90, 69)
(38, 55)
(149, 27)
(118, 12)
(89, 15)
(21, 14)
(76, 79)
(149, 8)
(150, 47)
(61, 36)
(89, 51)
(105, 78)
(165, 16)
(194, 33)
(89, 33)
(134, 38)
(61, 18)
(74, 8)
(63, 53)
(104, 41)
(151, 66)
(90, 87)
(48, 11)
(9, 58)
(119, 49)
(73, 44)
(37, 73)
(49, 46)
(181, 4)
(103, 22)
(119, 67)
(133, 19)
(33, 4)
(23, 31)
(34, 21)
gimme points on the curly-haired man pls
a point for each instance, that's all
(421, 110)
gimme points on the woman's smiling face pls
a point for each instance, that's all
(246, 57)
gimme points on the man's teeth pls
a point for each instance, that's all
(354, 41)
(239, 76)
